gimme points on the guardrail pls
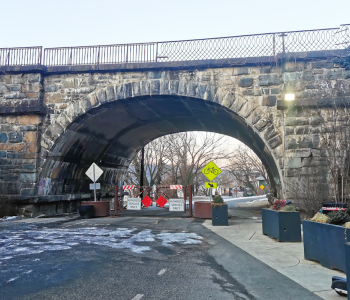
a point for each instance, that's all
(20, 56)
(244, 46)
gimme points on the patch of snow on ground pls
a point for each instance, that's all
(26, 242)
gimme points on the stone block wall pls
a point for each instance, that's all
(37, 108)
(20, 129)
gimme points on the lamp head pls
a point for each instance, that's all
(289, 97)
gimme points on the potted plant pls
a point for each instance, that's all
(219, 212)
(282, 222)
(325, 237)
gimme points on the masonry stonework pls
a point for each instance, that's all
(37, 109)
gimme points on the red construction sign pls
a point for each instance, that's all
(147, 201)
(161, 201)
(128, 187)
(176, 187)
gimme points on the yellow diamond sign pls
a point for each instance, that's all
(211, 170)
(262, 187)
(211, 185)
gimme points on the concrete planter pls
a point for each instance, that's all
(219, 214)
(347, 255)
(325, 243)
(202, 209)
(283, 226)
(101, 208)
(86, 211)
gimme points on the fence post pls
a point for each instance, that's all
(116, 201)
(157, 52)
(121, 199)
(190, 215)
(184, 192)
(98, 55)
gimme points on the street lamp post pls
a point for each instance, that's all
(284, 104)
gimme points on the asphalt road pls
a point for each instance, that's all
(132, 258)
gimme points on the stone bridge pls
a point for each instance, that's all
(57, 120)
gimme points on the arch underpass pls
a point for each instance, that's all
(112, 133)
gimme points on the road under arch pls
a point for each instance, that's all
(112, 133)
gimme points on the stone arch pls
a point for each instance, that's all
(251, 114)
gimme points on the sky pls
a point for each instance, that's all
(90, 22)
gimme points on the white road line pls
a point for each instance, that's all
(161, 272)
(138, 297)
(80, 222)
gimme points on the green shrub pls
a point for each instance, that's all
(320, 218)
(290, 208)
(218, 199)
(338, 218)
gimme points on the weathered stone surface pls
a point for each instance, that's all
(28, 177)
(3, 137)
(245, 81)
(266, 80)
(251, 92)
(275, 142)
(269, 100)
(240, 71)
(29, 120)
(262, 124)
(15, 137)
(293, 163)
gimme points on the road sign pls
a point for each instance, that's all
(161, 201)
(134, 204)
(147, 201)
(262, 187)
(211, 185)
(176, 187)
(94, 172)
(211, 170)
(96, 186)
(128, 187)
(176, 205)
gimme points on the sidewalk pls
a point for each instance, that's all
(245, 231)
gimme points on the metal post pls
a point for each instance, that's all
(93, 168)
(284, 155)
(116, 201)
(184, 192)
(142, 170)
(190, 215)
(121, 204)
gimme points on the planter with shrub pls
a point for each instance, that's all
(219, 212)
(325, 237)
(282, 222)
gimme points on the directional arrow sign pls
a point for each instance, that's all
(211, 170)
(211, 185)
(94, 172)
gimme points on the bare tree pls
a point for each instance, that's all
(308, 193)
(155, 165)
(335, 133)
(189, 152)
(245, 166)
(178, 158)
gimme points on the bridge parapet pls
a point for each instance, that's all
(274, 46)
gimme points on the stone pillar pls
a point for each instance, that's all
(20, 126)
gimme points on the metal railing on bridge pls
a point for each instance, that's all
(244, 46)
(21, 56)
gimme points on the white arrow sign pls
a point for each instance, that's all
(94, 172)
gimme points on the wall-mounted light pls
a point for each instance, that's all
(289, 97)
